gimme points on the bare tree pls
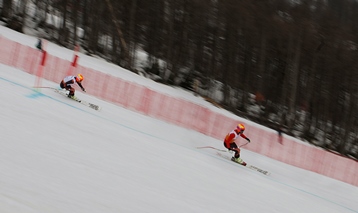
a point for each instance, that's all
(6, 11)
(123, 43)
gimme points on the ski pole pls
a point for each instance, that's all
(243, 144)
(210, 147)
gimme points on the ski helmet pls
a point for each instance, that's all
(79, 77)
(240, 127)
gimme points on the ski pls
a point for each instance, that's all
(90, 105)
(258, 169)
(247, 165)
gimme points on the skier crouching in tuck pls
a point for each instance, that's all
(230, 143)
(68, 81)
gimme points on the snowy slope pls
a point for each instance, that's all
(60, 156)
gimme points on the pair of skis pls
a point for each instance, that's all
(64, 93)
(247, 165)
(220, 153)
(90, 105)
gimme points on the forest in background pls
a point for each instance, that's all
(297, 58)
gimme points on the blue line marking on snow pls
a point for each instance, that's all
(36, 94)
(39, 94)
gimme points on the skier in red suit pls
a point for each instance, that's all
(230, 143)
(67, 82)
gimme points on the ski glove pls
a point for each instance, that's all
(83, 89)
(248, 140)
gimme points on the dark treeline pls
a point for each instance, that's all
(293, 56)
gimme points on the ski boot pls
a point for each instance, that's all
(71, 95)
(238, 160)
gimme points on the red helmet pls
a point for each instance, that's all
(79, 77)
(240, 127)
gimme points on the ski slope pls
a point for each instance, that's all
(60, 156)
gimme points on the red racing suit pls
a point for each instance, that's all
(231, 137)
(230, 143)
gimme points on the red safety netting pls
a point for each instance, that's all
(180, 112)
